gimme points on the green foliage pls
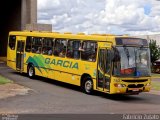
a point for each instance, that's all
(155, 51)
(155, 75)
(155, 85)
(4, 80)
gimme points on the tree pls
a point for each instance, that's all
(154, 50)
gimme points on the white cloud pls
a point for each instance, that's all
(101, 16)
(48, 4)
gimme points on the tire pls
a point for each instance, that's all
(31, 72)
(87, 86)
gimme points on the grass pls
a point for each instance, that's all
(155, 75)
(156, 85)
(4, 80)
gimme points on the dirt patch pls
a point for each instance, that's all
(11, 89)
(155, 92)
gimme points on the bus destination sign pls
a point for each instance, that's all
(131, 41)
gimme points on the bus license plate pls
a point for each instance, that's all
(135, 89)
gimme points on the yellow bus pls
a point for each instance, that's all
(107, 63)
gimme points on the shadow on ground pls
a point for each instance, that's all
(116, 97)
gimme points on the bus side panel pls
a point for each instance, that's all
(64, 70)
(59, 76)
(67, 78)
(26, 55)
(31, 58)
(61, 69)
(51, 71)
(51, 74)
(71, 70)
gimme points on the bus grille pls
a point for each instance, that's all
(135, 86)
(135, 80)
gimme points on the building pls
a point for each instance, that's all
(17, 15)
(151, 37)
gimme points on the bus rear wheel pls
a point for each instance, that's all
(88, 86)
(31, 71)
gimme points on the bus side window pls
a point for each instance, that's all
(37, 45)
(28, 44)
(12, 42)
(60, 47)
(73, 49)
(89, 51)
(47, 46)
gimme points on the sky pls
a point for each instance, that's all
(134, 17)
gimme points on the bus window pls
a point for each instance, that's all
(37, 45)
(12, 42)
(47, 46)
(60, 47)
(28, 44)
(73, 49)
(89, 51)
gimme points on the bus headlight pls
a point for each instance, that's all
(119, 85)
(148, 84)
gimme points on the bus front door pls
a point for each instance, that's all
(104, 70)
(20, 56)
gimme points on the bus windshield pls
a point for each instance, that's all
(131, 62)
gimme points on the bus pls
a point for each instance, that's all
(96, 62)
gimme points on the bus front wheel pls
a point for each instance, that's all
(31, 71)
(88, 86)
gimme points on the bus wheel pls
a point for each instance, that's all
(31, 71)
(88, 86)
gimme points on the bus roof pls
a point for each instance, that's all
(67, 35)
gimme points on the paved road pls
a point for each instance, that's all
(48, 96)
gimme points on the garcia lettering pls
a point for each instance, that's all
(65, 64)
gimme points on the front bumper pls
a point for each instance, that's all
(130, 87)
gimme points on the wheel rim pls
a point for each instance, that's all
(88, 86)
(31, 71)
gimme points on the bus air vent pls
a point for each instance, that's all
(135, 86)
(135, 80)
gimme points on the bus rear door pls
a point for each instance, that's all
(20, 54)
(104, 69)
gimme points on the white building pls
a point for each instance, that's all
(151, 37)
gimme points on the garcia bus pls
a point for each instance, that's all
(106, 63)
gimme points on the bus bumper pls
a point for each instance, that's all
(125, 89)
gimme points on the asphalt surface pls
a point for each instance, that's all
(51, 97)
